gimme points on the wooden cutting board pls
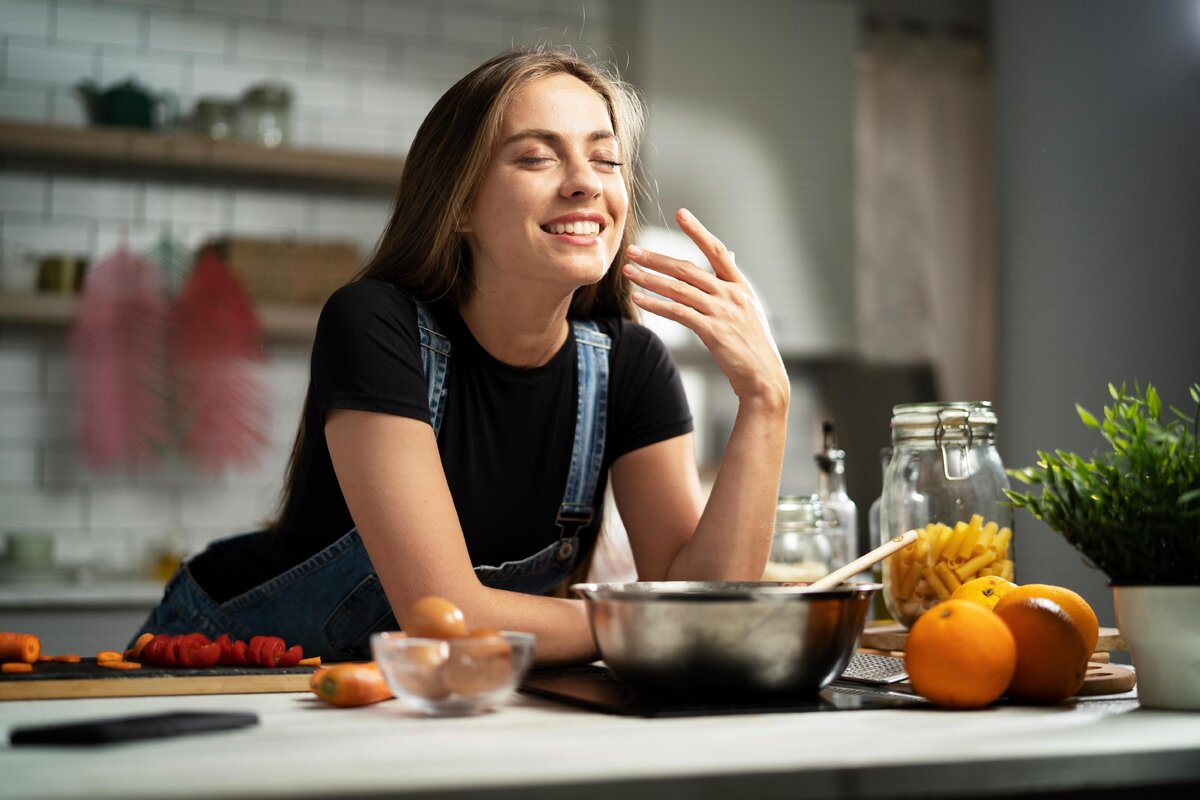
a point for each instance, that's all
(892, 636)
(50, 680)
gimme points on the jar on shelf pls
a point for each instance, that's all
(802, 547)
(265, 115)
(946, 481)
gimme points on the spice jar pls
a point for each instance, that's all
(802, 547)
(946, 481)
(265, 115)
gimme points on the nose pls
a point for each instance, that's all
(580, 179)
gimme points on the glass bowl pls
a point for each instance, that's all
(451, 677)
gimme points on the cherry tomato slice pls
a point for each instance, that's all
(153, 652)
(171, 651)
(291, 656)
(189, 646)
(238, 656)
(271, 651)
(206, 656)
(253, 653)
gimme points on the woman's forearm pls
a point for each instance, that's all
(733, 537)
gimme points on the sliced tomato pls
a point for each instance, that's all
(170, 653)
(239, 655)
(226, 644)
(153, 652)
(253, 652)
(271, 651)
(291, 656)
(189, 646)
(206, 655)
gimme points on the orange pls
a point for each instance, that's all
(985, 591)
(1076, 607)
(1051, 654)
(960, 655)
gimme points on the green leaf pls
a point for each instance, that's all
(1153, 401)
(1088, 418)
(1188, 497)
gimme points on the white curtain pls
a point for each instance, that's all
(925, 243)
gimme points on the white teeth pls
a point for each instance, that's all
(580, 228)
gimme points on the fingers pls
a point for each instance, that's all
(672, 288)
(675, 268)
(718, 255)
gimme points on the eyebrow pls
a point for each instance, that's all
(555, 137)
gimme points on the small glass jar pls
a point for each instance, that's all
(802, 547)
(214, 118)
(946, 481)
(265, 115)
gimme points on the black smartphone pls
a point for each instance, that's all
(128, 729)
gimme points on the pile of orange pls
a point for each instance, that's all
(992, 638)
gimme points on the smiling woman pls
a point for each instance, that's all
(475, 388)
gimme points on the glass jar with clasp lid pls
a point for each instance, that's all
(802, 546)
(946, 481)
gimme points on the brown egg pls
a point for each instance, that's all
(479, 663)
(420, 670)
(434, 618)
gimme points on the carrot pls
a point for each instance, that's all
(352, 685)
(141, 643)
(119, 664)
(315, 678)
(20, 647)
(16, 666)
(108, 655)
(315, 661)
(66, 658)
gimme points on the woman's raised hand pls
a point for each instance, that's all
(721, 308)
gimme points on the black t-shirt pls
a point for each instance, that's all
(506, 434)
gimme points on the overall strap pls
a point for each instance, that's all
(587, 452)
(435, 362)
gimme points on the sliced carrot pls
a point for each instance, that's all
(16, 666)
(141, 643)
(20, 647)
(66, 658)
(119, 664)
(108, 655)
(315, 661)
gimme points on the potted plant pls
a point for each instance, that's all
(1134, 513)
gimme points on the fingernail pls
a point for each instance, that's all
(630, 269)
(683, 212)
(634, 250)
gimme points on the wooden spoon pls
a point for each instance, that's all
(862, 562)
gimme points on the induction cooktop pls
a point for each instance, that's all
(596, 688)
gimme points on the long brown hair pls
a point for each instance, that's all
(422, 250)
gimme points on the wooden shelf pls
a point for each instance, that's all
(281, 321)
(188, 154)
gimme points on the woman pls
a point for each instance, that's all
(485, 359)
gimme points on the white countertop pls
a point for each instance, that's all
(537, 748)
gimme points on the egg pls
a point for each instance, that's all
(434, 618)
(420, 670)
(478, 663)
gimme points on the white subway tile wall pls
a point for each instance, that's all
(363, 73)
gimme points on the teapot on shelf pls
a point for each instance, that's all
(129, 105)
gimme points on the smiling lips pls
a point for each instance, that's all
(574, 226)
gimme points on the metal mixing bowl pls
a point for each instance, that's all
(726, 638)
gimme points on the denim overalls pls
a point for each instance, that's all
(333, 602)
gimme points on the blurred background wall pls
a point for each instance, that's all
(1083, 184)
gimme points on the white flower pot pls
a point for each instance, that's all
(1161, 625)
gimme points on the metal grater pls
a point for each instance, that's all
(874, 669)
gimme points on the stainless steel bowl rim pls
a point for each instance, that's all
(706, 591)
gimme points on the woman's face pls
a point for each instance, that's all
(553, 202)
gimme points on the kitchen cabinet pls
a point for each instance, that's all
(538, 749)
